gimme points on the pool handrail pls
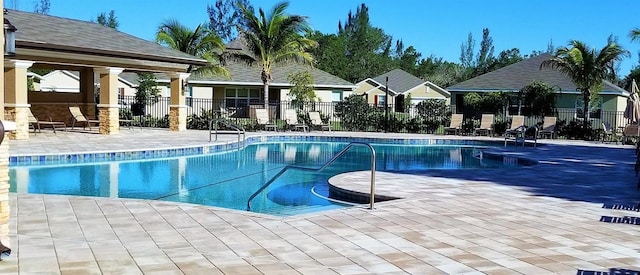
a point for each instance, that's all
(214, 124)
(342, 152)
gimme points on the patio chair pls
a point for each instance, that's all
(317, 121)
(455, 125)
(36, 123)
(548, 127)
(630, 132)
(486, 125)
(262, 118)
(78, 116)
(609, 134)
(291, 117)
(226, 113)
(517, 126)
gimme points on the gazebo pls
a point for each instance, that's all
(99, 54)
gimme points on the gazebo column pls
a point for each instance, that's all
(177, 108)
(108, 109)
(15, 96)
(87, 91)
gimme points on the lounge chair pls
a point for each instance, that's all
(78, 116)
(608, 134)
(517, 131)
(226, 113)
(291, 117)
(317, 121)
(631, 131)
(548, 127)
(517, 126)
(486, 125)
(36, 123)
(262, 118)
(455, 125)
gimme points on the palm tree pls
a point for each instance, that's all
(275, 38)
(586, 67)
(635, 34)
(200, 42)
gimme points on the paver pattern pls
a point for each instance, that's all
(531, 220)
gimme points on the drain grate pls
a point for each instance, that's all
(612, 271)
(625, 219)
(620, 206)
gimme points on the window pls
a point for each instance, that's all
(336, 96)
(188, 93)
(240, 97)
(380, 100)
(595, 107)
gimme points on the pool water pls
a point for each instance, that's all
(228, 179)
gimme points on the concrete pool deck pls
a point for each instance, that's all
(537, 219)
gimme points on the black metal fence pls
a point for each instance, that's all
(156, 112)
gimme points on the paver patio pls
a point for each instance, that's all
(538, 219)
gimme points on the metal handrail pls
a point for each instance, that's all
(342, 152)
(214, 124)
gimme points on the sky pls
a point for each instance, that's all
(433, 27)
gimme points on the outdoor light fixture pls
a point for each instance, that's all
(9, 37)
(185, 86)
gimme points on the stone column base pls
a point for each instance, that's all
(21, 117)
(177, 118)
(109, 120)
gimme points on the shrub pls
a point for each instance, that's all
(353, 112)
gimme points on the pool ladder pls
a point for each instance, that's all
(342, 152)
(213, 128)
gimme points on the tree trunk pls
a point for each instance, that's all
(585, 112)
(266, 95)
(266, 77)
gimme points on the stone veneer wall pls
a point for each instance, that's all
(178, 119)
(109, 124)
(20, 117)
(60, 111)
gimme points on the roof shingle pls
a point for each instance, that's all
(55, 32)
(516, 76)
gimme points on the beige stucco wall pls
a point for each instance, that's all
(60, 81)
(201, 92)
(364, 87)
(423, 92)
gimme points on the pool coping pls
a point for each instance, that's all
(190, 150)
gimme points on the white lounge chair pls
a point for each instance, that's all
(317, 121)
(262, 118)
(291, 117)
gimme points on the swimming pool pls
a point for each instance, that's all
(227, 179)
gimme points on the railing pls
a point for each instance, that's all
(341, 153)
(157, 110)
(214, 124)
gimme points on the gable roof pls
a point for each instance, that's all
(516, 76)
(69, 36)
(242, 74)
(399, 80)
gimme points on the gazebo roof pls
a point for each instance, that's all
(63, 41)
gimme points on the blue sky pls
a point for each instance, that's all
(435, 27)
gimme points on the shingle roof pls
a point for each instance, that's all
(50, 32)
(250, 75)
(399, 80)
(516, 76)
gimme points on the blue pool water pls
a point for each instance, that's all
(227, 179)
